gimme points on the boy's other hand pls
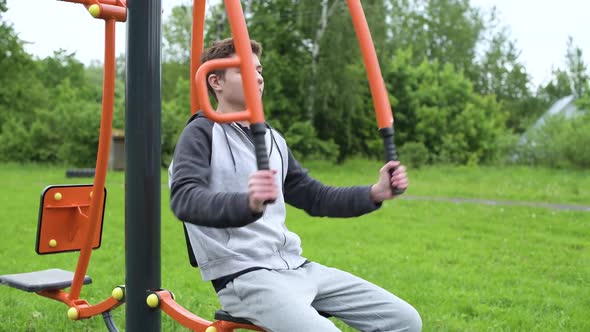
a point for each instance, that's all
(382, 191)
(261, 188)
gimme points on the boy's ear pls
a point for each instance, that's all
(213, 81)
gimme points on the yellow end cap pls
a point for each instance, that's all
(211, 329)
(73, 313)
(94, 10)
(57, 196)
(153, 301)
(118, 293)
(52, 243)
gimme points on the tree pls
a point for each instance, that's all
(176, 31)
(21, 91)
(437, 106)
(447, 31)
(576, 68)
(557, 88)
(573, 80)
(501, 74)
(176, 51)
(454, 32)
(316, 31)
(175, 113)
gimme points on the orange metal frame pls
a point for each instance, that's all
(254, 112)
(199, 97)
(114, 10)
(110, 11)
(194, 322)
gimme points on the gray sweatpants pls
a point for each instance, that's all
(289, 301)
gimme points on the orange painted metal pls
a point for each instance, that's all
(64, 219)
(87, 311)
(197, 41)
(109, 9)
(80, 211)
(92, 2)
(108, 12)
(102, 156)
(58, 295)
(376, 83)
(202, 90)
(192, 321)
(180, 314)
(243, 59)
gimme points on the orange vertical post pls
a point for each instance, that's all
(197, 40)
(102, 157)
(378, 91)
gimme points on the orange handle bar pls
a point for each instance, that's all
(92, 2)
(254, 113)
(239, 30)
(378, 91)
(201, 85)
(376, 83)
(107, 12)
(105, 9)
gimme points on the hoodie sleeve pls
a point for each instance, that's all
(317, 199)
(190, 197)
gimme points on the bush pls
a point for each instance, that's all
(414, 154)
(16, 144)
(305, 144)
(436, 105)
(173, 122)
(505, 151)
(559, 142)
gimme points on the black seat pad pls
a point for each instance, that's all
(52, 279)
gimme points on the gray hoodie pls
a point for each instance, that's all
(209, 182)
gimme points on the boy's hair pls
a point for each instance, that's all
(224, 49)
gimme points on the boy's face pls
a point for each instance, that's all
(229, 88)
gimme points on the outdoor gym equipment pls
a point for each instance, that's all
(143, 161)
(254, 114)
(70, 216)
(164, 299)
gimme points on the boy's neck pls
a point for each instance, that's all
(222, 109)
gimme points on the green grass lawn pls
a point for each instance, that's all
(465, 267)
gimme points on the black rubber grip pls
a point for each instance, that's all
(390, 153)
(258, 131)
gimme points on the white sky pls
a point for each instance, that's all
(540, 27)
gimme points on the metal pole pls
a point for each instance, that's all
(143, 160)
